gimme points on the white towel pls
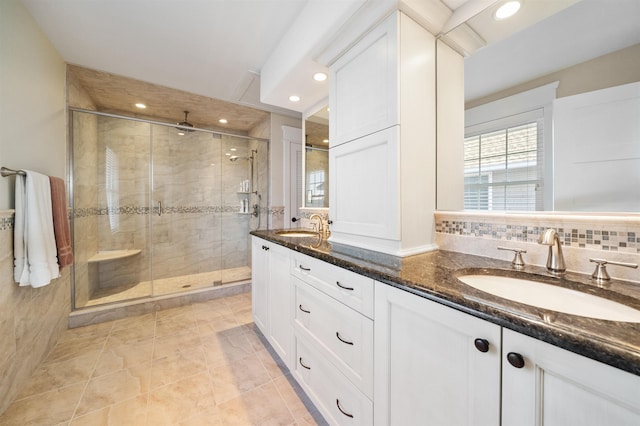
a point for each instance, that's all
(34, 245)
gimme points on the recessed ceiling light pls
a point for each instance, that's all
(234, 149)
(223, 121)
(320, 76)
(181, 133)
(325, 140)
(507, 10)
(227, 153)
(294, 98)
(140, 105)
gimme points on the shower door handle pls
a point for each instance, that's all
(159, 208)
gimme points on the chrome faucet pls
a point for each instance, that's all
(555, 261)
(323, 229)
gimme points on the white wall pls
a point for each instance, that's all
(276, 152)
(32, 136)
(32, 99)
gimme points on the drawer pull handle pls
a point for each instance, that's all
(342, 411)
(342, 340)
(302, 364)
(344, 287)
(304, 269)
(302, 309)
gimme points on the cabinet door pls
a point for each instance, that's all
(556, 387)
(427, 369)
(364, 85)
(366, 203)
(259, 283)
(280, 302)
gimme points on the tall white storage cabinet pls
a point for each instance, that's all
(382, 155)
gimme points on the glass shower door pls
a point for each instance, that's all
(185, 227)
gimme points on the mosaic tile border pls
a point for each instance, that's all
(135, 210)
(595, 239)
(6, 223)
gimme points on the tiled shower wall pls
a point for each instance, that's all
(201, 227)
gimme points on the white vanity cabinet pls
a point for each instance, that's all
(368, 353)
(430, 367)
(333, 330)
(556, 387)
(272, 295)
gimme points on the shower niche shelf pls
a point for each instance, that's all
(106, 255)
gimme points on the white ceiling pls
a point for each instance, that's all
(214, 48)
(219, 48)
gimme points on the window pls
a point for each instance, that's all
(503, 168)
(508, 152)
(315, 188)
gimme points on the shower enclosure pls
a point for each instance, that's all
(159, 210)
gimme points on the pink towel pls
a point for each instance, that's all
(61, 222)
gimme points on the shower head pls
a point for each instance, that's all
(185, 124)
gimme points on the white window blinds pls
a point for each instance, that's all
(503, 164)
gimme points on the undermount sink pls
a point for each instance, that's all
(297, 233)
(552, 297)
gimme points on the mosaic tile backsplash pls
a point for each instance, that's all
(594, 236)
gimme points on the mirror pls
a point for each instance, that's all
(316, 160)
(588, 49)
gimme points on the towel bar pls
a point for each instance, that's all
(4, 171)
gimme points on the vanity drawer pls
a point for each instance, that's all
(343, 336)
(339, 401)
(355, 291)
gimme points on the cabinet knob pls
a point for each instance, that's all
(294, 219)
(304, 269)
(265, 248)
(482, 345)
(515, 359)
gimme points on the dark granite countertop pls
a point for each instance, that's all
(432, 275)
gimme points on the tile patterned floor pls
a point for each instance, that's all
(201, 364)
